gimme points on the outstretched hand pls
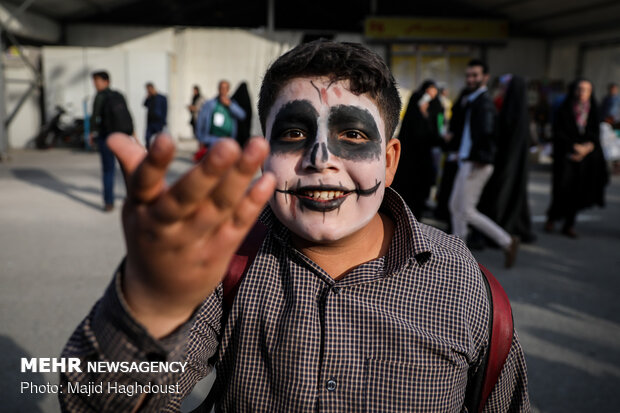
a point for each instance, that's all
(180, 238)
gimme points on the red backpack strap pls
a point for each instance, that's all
(241, 261)
(500, 336)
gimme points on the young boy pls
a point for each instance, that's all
(350, 303)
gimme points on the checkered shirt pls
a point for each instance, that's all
(401, 333)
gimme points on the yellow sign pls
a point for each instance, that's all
(394, 28)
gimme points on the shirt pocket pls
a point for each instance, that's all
(413, 387)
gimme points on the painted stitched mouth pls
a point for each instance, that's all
(324, 198)
(322, 193)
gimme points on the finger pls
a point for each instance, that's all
(253, 203)
(127, 150)
(231, 234)
(184, 196)
(243, 217)
(224, 167)
(147, 180)
(233, 185)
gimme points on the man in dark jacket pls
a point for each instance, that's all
(476, 156)
(110, 114)
(157, 112)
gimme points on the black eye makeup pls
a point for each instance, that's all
(353, 133)
(294, 127)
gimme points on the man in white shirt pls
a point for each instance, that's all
(476, 157)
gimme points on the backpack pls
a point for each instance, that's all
(481, 381)
(115, 116)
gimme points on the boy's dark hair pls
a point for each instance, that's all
(364, 69)
(481, 63)
(149, 84)
(102, 74)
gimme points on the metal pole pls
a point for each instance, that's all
(22, 100)
(548, 50)
(271, 16)
(4, 121)
(373, 7)
(18, 47)
(4, 139)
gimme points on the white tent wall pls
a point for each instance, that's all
(173, 59)
(25, 125)
(143, 67)
(206, 56)
(67, 76)
(67, 71)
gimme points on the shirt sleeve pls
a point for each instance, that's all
(236, 110)
(510, 393)
(96, 116)
(164, 109)
(109, 333)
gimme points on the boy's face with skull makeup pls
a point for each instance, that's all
(330, 158)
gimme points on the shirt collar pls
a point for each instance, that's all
(474, 95)
(409, 243)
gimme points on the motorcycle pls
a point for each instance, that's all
(57, 133)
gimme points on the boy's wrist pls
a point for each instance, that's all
(154, 311)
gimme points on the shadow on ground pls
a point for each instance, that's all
(43, 179)
(11, 379)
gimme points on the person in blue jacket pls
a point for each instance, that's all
(218, 117)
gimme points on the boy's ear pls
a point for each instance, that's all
(392, 156)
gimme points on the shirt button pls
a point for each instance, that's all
(331, 385)
(336, 290)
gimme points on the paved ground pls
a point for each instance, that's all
(58, 251)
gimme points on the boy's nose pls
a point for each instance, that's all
(319, 158)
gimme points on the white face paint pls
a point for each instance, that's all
(328, 153)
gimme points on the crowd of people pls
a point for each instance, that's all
(223, 116)
(463, 163)
(213, 119)
(481, 177)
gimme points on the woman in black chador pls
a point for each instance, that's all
(242, 97)
(419, 133)
(504, 199)
(579, 168)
